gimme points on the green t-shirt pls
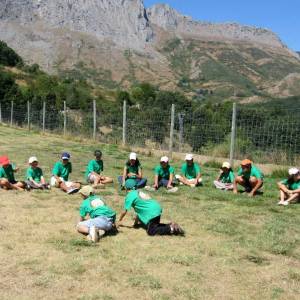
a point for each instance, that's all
(62, 170)
(291, 186)
(145, 209)
(164, 173)
(254, 172)
(8, 172)
(94, 166)
(133, 169)
(190, 172)
(95, 207)
(227, 177)
(34, 174)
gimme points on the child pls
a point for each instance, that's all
(250, 177)
(34, 175)
(164, 175)
(60, 175)
(95, 217)
(132, 174)
(148, 213)
(226, 178)
(94, 169)
(190, 172)
(290, 188)
(7, 177)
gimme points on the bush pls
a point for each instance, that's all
(8, 57)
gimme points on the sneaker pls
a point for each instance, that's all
(173, 190)
(192, 185)
(177, 229)
(101, 233)
(94, 234)
(280, 202)
(285, 203)
(150, 188)
(72, 191)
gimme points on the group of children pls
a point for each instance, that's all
(97, 218)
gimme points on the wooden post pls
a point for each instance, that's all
(11, 113)
(44, 116)
(233, 130)
(28, 115)
(172, 131)
(124, 122)
(0, 113)
(65, 118)
(94, 119)
(180, 118)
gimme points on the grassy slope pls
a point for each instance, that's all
(235, 248)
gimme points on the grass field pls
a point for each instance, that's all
(235, 247)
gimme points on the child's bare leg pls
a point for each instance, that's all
(83, 229)
(294, 198)
(105, 180)
(4, 183)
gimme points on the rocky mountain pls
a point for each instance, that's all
(120, 42)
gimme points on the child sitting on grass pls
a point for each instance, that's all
(95, 217)
(290, 188)
(34, 175)
(132, 177)
(60, 175)
(94, 169)
(7, 175)
(148, 213)
(226, 178)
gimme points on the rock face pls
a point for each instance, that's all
(168, 18)
(122, 21)
(120, 41)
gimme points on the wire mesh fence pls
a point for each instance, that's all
(259, 135)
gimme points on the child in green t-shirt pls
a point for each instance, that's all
(96, 218)
(250, 177)
(7, 175)
(94, 169)
(226, 178)
(132, 177)
(290, 188)
(34, 175)
(148, 212)
(190, 172)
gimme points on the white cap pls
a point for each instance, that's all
(189, 157)
(32, 159)
(293, 171)
(132, 156)
(226, 165)
(164, 159)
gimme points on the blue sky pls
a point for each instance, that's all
(282, 17)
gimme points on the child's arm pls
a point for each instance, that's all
(219, 176)
(123, 214)
(283, 188)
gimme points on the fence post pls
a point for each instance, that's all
(172, 131)
(94, 119)
(65, 118)
(11, 113)
(44, 115)
(124, 122)
(0, 113)
(233, 130)
(180, 118)
(28, 115)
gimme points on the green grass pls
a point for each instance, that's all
(235, 247)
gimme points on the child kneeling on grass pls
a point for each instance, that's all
(148, 214)
(226, 178)
(7, 175)
(34, 175)
(60, 175)
(290, 188)
(95, 217)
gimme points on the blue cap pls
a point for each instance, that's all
(65, 155)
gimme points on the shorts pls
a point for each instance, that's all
(100, 222)
(91, 178)
(53, 182)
